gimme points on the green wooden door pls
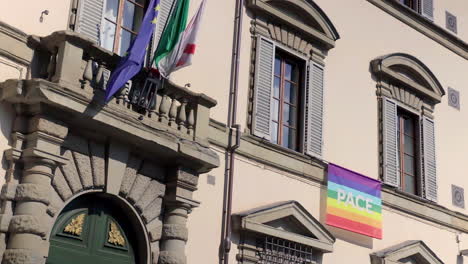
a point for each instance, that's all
(91, 232)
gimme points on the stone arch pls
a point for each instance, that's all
(142, 186)
(408, 71)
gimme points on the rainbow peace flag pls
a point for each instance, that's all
(354, 202)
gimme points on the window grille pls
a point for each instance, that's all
(279, 251)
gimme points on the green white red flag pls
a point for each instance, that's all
(182, 53)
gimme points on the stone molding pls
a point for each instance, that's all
(415, 249)
(310, 169)
(424, 26)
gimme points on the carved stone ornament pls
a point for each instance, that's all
(115, 237)
(75, 227)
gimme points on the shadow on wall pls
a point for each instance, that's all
(6, 123)
(348, 236)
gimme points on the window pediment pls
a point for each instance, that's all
(406, 71)
(286, 220)
(408, 252)
(302, 15)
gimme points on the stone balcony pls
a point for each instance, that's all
(66, 80)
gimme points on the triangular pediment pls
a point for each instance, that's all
(287, 220)
(408, 252)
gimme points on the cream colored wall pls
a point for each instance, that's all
(350, 132)
(25, 14)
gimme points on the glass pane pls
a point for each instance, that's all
(290, 93)
(285, 137)
(125, 40)
(112, 6)
(132, 16)
(108, 35)
(141, 2)
(289, 138)
(275, 109)
(277, 66)
(409, 126)
(295, 74)
(276, 87)
(409, 145)
(288, 71)
(409, 165)
(289, 115)
(410, 184)
(274, 132)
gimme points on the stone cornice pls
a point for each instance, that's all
(423, 25)
(78, 108)
(14, 44)
(315, 170)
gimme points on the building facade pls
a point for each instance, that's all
(228, 160)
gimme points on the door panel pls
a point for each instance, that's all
(91, 232)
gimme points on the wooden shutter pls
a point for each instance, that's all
(427, 9)
(314, 110)
(429, 159)
(390, 142)
(90, 18)
(163, 15)
(261, 124)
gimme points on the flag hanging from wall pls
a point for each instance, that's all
(354, 202)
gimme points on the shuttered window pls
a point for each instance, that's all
(408, 141)
(288, 99)
(423, 7)
(113, 24)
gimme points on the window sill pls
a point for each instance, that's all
(270, 154)
(424, 26)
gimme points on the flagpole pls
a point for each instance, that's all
(162, 32)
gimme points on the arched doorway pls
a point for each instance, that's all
(93, 229)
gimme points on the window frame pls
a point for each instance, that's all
(118, 23)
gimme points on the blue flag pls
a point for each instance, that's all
(131, 64)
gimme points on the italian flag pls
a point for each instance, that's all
(178, 43)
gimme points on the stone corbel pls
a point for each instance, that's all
(181, 184)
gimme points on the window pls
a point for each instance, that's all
(423, 7)
(122, 19)
(280, 233)
(408, 151)
(407, 92)
(287, 89)
(408, 252)
(288, 67)
(113, 24)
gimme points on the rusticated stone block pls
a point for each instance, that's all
(175, 231)
(155, 230)
(83, 164)
(61, 186)
(155, 189)
(152, 211)
(55, 205)
(169, 257)
(49, 126)
(152, 170)
(4, 222)
(155, 252)
(130, 175)
(8, 191)
(21, 256)
(70, 173)
(26, 224)
(139, 186)
(99, 163)
(33, 192)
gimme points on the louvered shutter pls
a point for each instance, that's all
(90, 18)
(427, 9)
(163, 15)
(314, 110)
(390, 142)
(429, 159)
(263, 88)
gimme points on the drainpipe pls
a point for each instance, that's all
(225, 245)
